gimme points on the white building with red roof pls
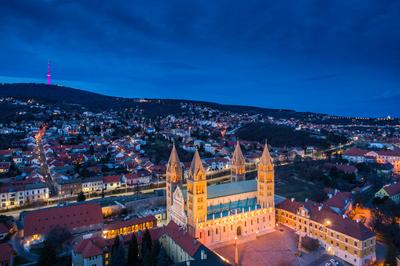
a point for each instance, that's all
(91, 251)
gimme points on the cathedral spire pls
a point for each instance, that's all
(237, 157)
(196, 166)
(266, 158)
(238, 165)
(173, 158)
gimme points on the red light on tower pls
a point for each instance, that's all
(48, 73)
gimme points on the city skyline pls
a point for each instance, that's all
(335, 58)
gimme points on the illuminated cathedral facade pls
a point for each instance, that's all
(218, 214)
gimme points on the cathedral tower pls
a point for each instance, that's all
(238, 169)
(265, 180)
(196, 194)
(173, 176)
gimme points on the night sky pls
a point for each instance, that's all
(337, 57)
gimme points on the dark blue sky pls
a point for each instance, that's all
(338, 57)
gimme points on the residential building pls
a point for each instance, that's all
(340, 236)
(77, 218)
(25, 192)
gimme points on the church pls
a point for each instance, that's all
(220, 214)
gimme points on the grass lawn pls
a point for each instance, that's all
(293, 188)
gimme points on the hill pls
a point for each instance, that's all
(69, 98)
(54, 94)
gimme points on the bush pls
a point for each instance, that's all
(309, 243)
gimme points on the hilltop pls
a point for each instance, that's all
(71, 98)
(54, 94)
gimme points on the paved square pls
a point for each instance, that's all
(276, 248)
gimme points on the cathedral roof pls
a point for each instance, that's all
(227, 189)
(266, 158)
(237, 157)
(233, 188)
(197, 165)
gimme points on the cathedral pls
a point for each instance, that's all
(219, 214)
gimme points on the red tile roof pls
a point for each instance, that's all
(111, 179)
(71, 217)
(395, 152)
(5, 152)
(182, 238)
(355, 152)
(339, 200)
(6, 252)
(91, 247)
(338, 223)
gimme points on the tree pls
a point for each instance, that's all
(91, 149)
(133, 251)
(117, 253)
(162, 258)
(390, 257)
(81, 197)
(48, 254)
(146, 242)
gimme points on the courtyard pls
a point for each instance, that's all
(272, 249)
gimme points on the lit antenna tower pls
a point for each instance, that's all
(48, 73)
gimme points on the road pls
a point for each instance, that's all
(44, 167)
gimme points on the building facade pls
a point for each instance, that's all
(21, 193)
(339, 235)
(221, 213)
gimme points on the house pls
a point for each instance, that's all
(91, 251)
(142, 177)
(79, 218)
(112, 182)
(24, 192)
(339, 202)
(215, 164)
(391, 191)
(69, 187)
(92, 184)
(355, 155)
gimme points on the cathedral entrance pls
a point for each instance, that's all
(238, 231)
